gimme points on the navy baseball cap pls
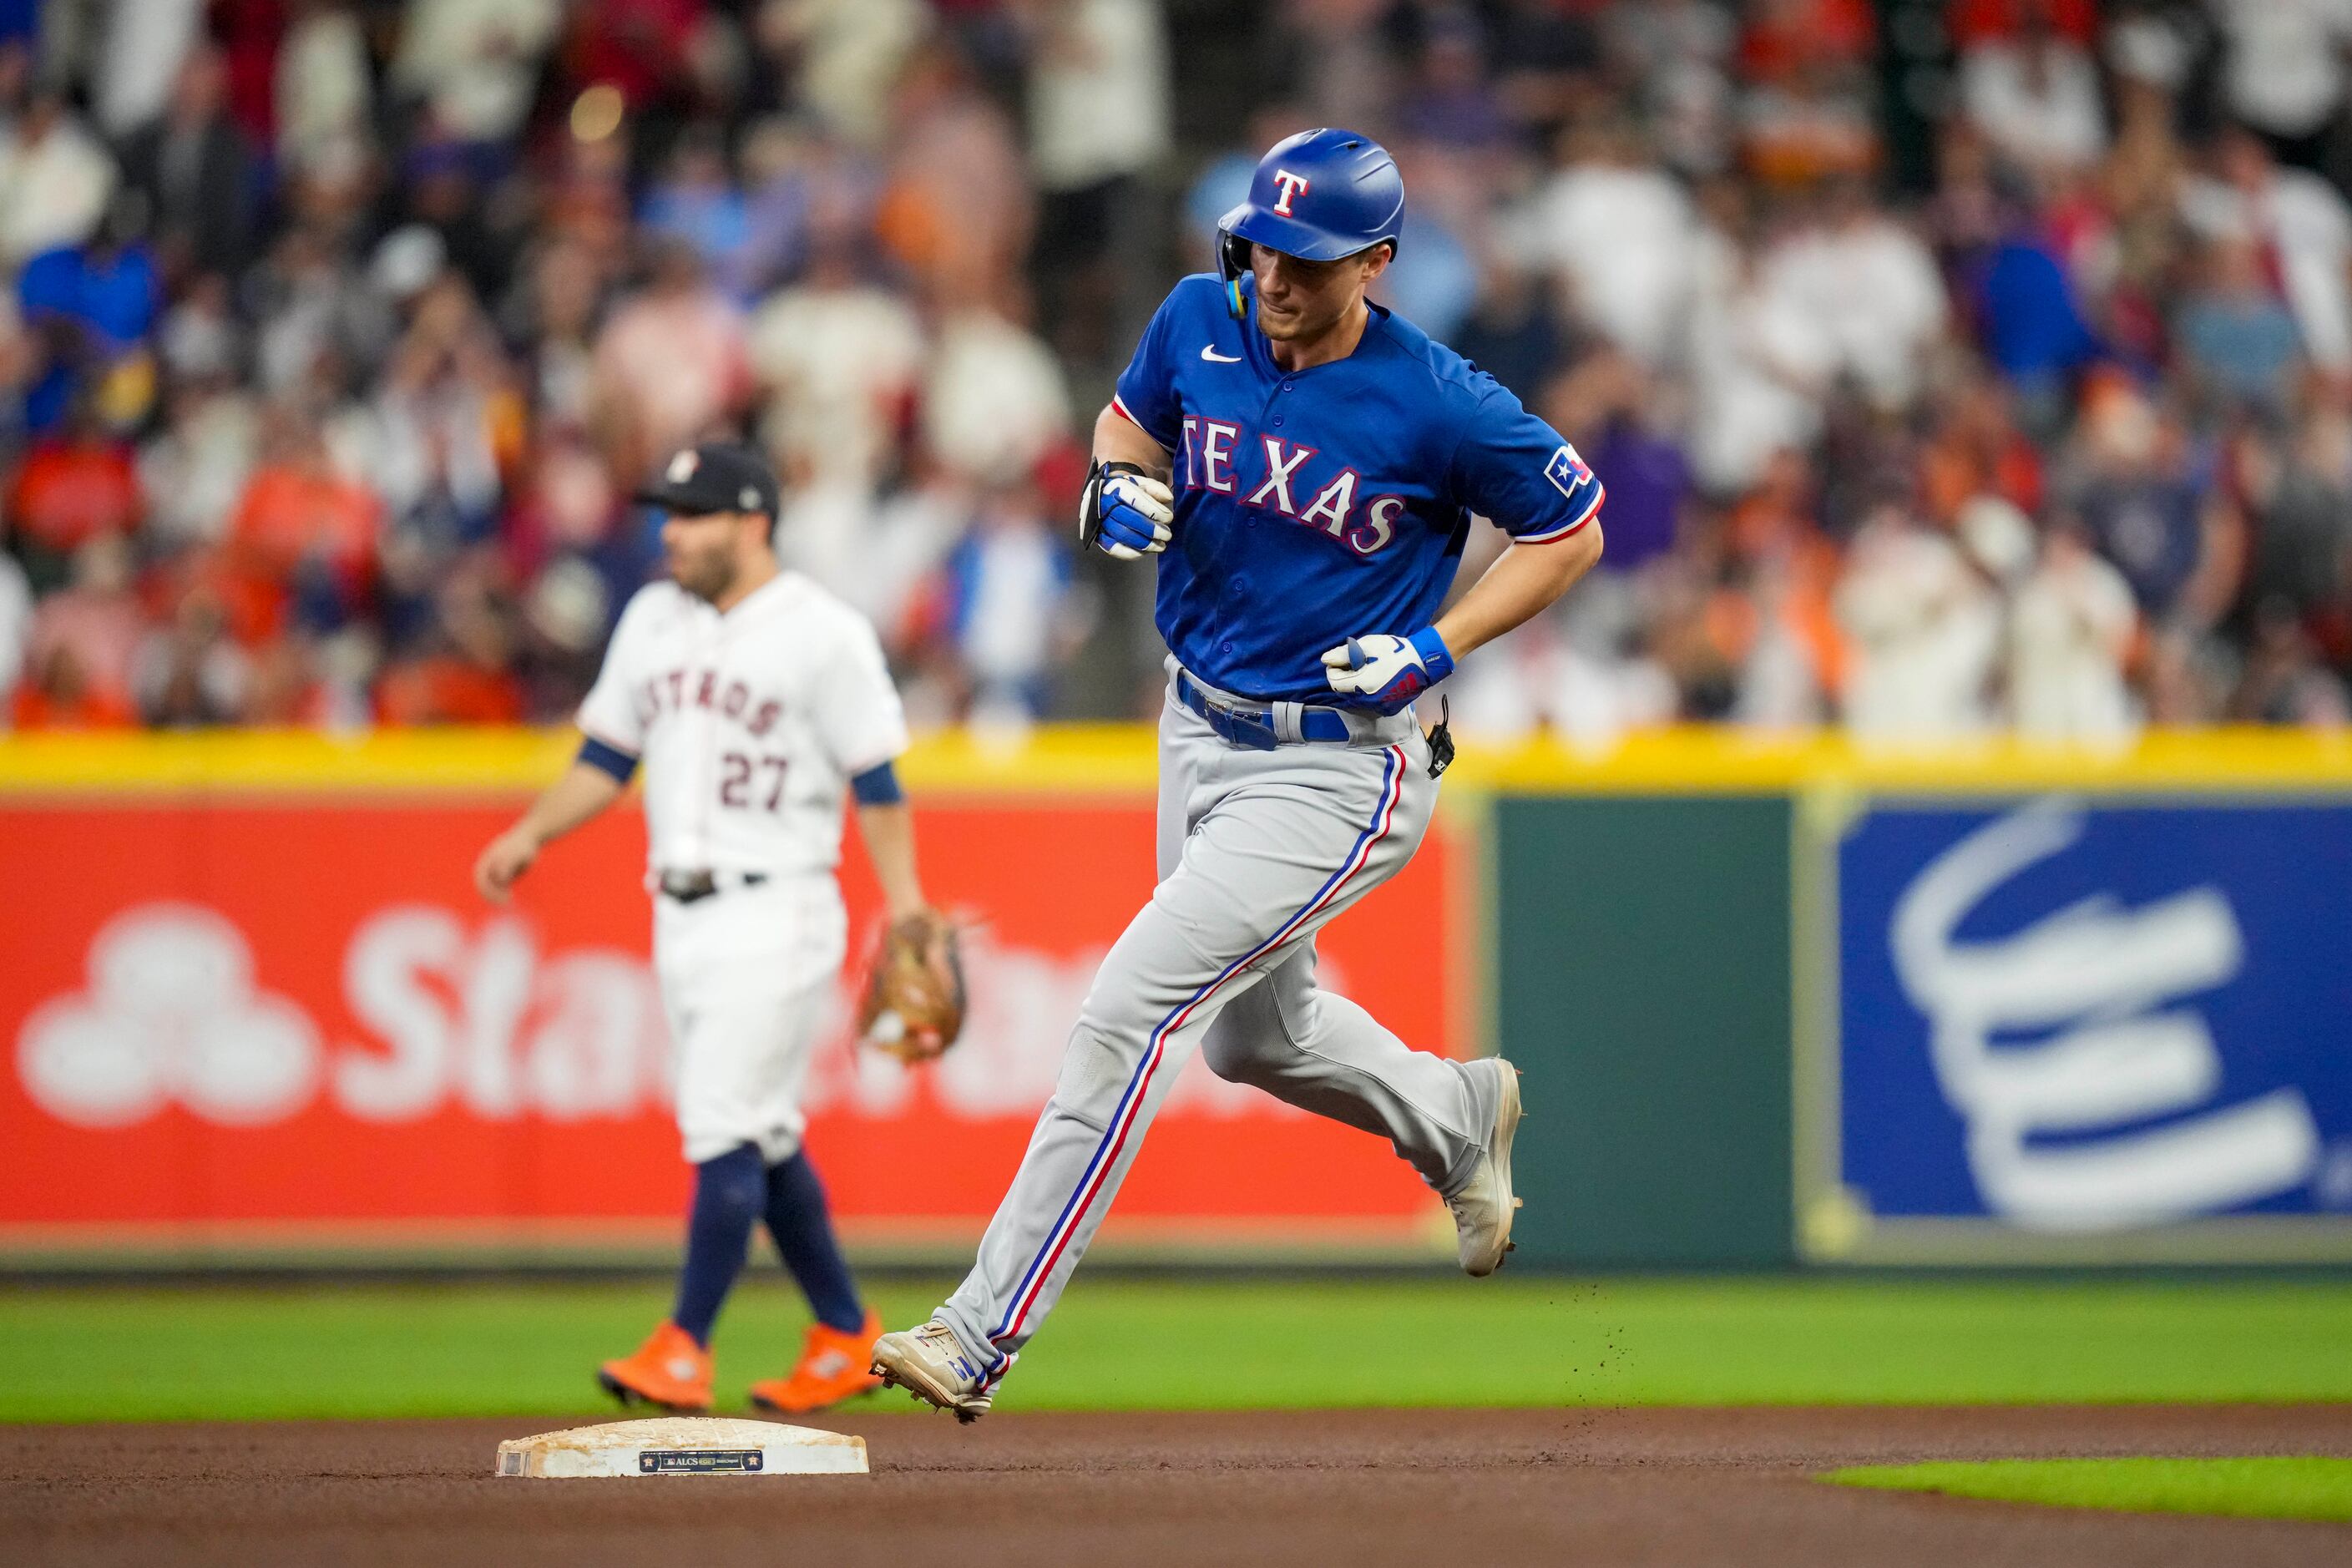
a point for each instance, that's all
(717, 476)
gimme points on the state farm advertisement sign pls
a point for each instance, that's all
(238, 1015)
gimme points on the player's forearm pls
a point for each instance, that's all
(1521, 584)
(888, 832)
(575, 798)
(1119, 440)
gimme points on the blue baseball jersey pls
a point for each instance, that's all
(1316, 505)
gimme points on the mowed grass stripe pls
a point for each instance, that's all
(101, 1353)
(2265, 1487)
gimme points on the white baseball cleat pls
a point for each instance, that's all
(1484, 1208)
(929, 1362)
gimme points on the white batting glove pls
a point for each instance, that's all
(1387, 672)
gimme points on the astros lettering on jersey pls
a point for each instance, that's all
(750, 724)
(1314, 505)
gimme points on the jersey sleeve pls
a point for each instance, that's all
(855, 706)
(1519, 472)
(609, 713)
(1147, 387)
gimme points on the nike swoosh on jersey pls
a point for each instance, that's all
(1209, 352)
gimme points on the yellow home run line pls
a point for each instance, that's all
(1061, 759)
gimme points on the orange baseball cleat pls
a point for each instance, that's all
(669, 1370)
(834, 1366)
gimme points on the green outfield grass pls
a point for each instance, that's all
(139, 1354)
(2246, 1488)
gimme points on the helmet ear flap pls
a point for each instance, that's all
(1233, 256)
(1233, 264)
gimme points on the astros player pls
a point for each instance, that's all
(1305, 463)
(755, 699)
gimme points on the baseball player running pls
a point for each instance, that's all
(754, 698)
(1305, 465)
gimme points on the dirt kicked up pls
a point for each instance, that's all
(1342, 1490)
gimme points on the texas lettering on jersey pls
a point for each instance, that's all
(1212, 451)
(1316, 505)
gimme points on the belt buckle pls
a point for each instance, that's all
(689, 886)
(1245, 731)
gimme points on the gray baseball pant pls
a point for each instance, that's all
(1257, 851)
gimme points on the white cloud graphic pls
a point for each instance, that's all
(171, 1014)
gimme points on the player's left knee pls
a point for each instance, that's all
(1095, 1073)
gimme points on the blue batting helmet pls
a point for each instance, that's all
(1318, 195)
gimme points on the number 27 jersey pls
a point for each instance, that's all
(749, 724)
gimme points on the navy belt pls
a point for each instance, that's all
(1251, 725)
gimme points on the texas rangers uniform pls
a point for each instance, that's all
(750, 724)
(1311, 506)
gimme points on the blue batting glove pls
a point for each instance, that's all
(1388, 672)
(1125, 513)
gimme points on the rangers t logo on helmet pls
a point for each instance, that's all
(1362, 204)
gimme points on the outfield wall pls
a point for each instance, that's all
(2005, 1005)
(1779, 1001)
(254, 1008)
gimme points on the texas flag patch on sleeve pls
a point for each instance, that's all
(1566, 470)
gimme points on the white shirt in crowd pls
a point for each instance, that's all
(1924, 630)
(749, 724)
(2049, 119)
(2070, 630)
(1098, 93)
(1870, 292)
(54, 187)
(145, 42)
(995, 398)
(843, 363)
(2282, 68)
(476, 62)
(1619, 240)
(1759, 368)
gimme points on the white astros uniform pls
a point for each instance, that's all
(749, 725)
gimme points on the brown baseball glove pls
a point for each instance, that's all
(914, 1000)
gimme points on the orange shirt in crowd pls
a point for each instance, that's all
(446, 689)
(32, 710)
(68, 491)
(287, 514)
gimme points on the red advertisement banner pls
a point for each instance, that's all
(243, 1015)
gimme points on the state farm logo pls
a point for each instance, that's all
(171, 1015)
(480, 1020)
(475, 1019)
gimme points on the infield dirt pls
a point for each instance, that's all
(1340, 1490)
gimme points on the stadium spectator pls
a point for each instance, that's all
(76, 483)
(1923, 628)
(15, 629)
(668, 364)
(195, 170)
(2035, 96)
(2071, 630)
(55, 178)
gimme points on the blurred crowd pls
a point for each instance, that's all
(1951, 364)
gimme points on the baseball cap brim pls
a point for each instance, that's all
(686, 503)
